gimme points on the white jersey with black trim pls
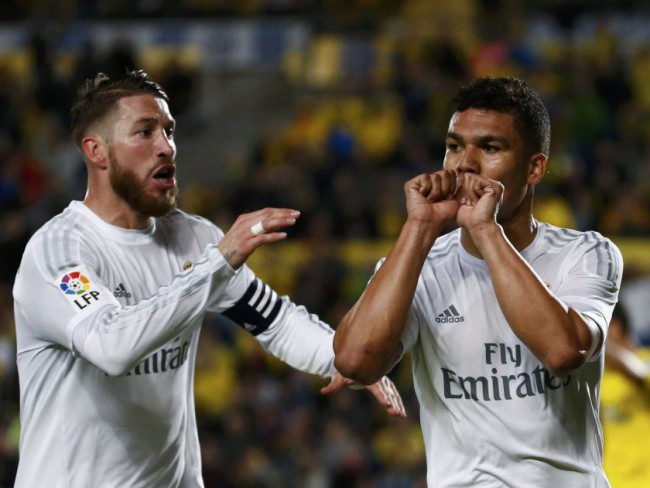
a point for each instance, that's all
(107, 324)
(491, 414)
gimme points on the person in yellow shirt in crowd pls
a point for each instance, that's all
(625, 406)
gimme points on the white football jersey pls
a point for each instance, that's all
(107, 324)
(491, 414)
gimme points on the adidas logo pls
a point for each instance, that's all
(450, 315)
(120, 292)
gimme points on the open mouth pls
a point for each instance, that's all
(165, 175)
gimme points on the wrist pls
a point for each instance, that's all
(418, 236)
(485, 233)
(427, 231)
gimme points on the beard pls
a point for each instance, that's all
(127, 186)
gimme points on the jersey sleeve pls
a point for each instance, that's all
(300, 339)
(592, 283)
(50, 296)
(83, 316)
(284, 329)
(411, 331)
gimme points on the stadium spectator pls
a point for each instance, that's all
(625, 405)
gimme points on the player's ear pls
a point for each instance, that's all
(95, 151)
(537, 168)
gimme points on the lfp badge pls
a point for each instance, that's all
(78, 289)
(74, 283)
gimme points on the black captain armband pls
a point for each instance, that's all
(256, 309)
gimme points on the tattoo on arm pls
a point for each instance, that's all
(228, 255)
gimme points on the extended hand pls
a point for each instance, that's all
(254, 229)
(384, 391)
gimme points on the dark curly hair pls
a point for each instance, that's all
(97, 97)
(511, 96)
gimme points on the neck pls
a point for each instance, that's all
(520, 231)
(115, 211)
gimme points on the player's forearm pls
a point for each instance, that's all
(627, 363)
(301, 340)
(556, 334)
(367, 341)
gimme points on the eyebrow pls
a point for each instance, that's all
(155, 120)
(481, 140)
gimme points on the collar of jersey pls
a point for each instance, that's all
(526, 253)
(113, 232)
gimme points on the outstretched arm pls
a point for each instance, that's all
(625, 361)
(367, 341)
(303, 342)
(114, 337)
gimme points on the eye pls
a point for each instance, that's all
(452, 146)
(169, 131)
(145, 132)
(489, 148)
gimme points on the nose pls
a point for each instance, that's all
(467, 161)
(165, 145)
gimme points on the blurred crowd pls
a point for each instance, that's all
(368, 109)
